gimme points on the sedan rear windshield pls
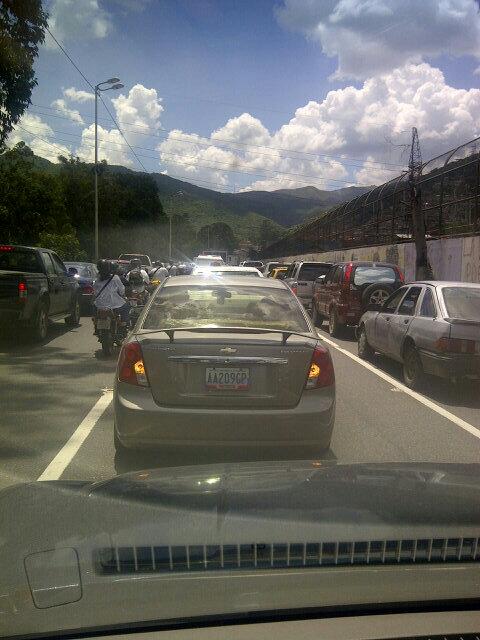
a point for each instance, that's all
(131, 256)
(369, 275)
(225, 306)
(310, 272)
(462, 303)
(19, 260)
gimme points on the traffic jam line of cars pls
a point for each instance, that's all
(230, 357)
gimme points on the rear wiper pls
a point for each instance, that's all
(285, 333)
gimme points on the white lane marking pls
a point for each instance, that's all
(401, 387)
(66, 454)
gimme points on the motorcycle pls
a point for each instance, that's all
(137, 295)
(110, 329)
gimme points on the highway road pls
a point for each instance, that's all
(56, 417)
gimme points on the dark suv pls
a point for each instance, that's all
(348, 288)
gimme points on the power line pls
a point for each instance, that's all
(232, 142)
(122, 134)
(189, 179)
(219, 166)
(70, 59)
(180, 155)
(101, 98)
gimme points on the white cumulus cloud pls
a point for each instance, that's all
(140, 112)
(77, 20)
(72, 114)
(39, 136)
(78, 95)
(350, 136)
(374, 36)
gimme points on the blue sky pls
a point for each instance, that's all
(300, 92)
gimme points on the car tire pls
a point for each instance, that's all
(120, 449)
(73, 320)
(376, 294)
(334, 326)
(317, 319)
(106, 342)
(365, 351)
(413, 375)
(40, 329)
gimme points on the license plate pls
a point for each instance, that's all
(227, 378)
(103, 323)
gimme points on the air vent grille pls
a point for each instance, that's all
(181, 558)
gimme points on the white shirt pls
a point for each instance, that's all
(112, 296)
(143, 273)
(160, 274)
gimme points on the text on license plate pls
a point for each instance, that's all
(227, 378)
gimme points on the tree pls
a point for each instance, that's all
(31, 200)
(66, 245)
(22, 29)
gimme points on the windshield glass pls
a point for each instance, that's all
(462, 302)
(84, 270)
(311, 272)
(19, 260)
(131, 256)
(200, 442)
(369, 275)
(224, 306)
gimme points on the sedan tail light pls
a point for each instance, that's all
(131, 368)
(22, 290)
(320, 373)
(456, 345)
(87, 289)
(294, 287)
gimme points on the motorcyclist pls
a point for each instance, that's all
(109, 291)
(159, 273)
(136, 273)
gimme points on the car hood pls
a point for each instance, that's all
(318, 496)
(120, 550)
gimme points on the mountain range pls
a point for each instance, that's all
(285, 207)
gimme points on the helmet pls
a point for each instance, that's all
(104, 268)
(135, 263)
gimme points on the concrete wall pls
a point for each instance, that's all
(451, 258)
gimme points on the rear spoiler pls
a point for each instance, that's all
(285, 334)
(473, 323)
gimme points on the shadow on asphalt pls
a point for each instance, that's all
(46, 360)
(141, 460)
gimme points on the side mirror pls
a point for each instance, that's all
(72, 271)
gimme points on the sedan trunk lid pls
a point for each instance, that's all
(227, 369)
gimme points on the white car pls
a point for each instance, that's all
(226, 270)
(209, 261)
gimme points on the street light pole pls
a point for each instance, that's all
(178, 194)
(114, 83)
(96, 175)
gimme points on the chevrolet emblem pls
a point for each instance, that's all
(228, 350)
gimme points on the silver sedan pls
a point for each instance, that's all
(430, 327)
(228, 362)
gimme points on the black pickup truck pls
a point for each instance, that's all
(35, 288)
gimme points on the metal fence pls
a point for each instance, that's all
(449, 192)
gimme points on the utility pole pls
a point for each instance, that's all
(423, 269)
(112, 83)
